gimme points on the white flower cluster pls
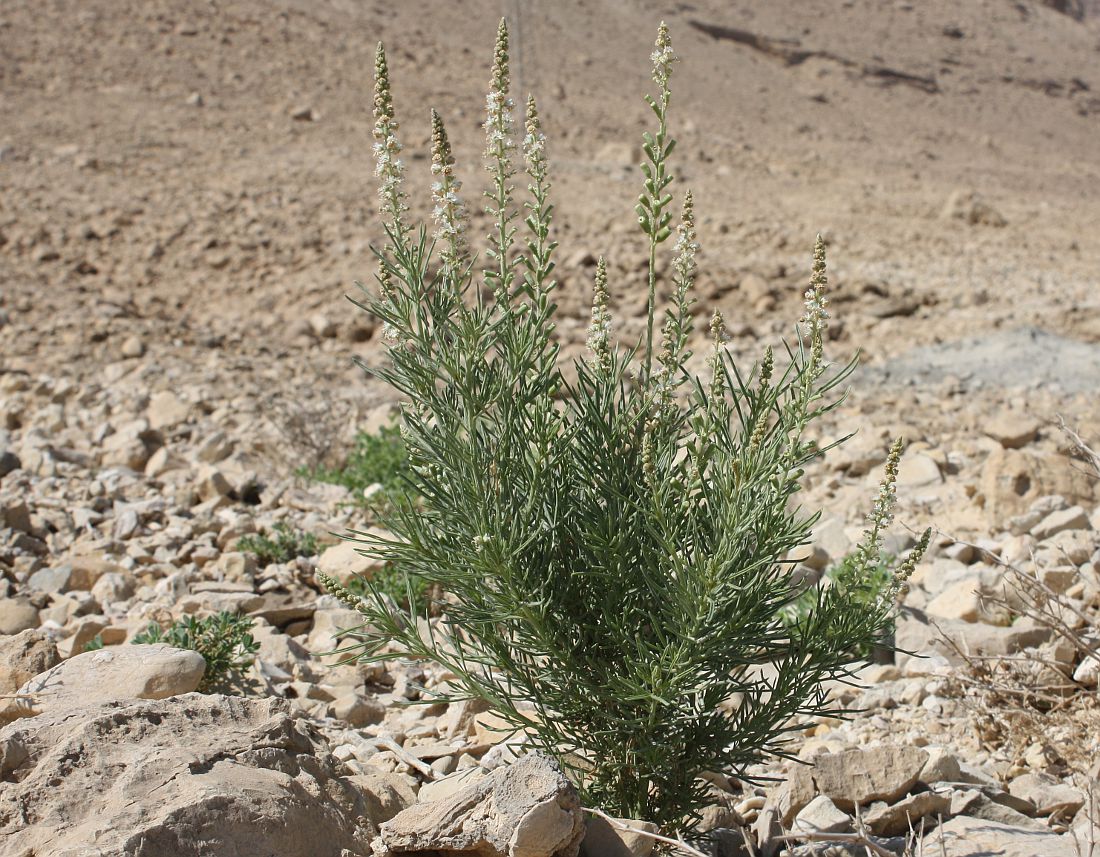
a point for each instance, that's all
(450, 211)
(499, 143)
(387, 165)
(534, 143)
(816, 315)
(686, 245)
(882, 512)
(662, 57)
(599, 330)
(389, 168)
(534, 152)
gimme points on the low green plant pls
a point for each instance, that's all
(377, 459)
(863, 587)
(280, 544)
(224, 640)
(94, 644)
(612, 538)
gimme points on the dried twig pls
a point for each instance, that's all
(1083, 450)
(388, 743)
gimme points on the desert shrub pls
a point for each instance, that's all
(224, 640)
(280, 544)
(612, 539)
(377, 459)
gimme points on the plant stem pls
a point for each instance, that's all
(651, 307)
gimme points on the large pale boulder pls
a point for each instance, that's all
(526, 809)
(193, 776)
(112, 674)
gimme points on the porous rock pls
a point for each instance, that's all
(1013, 479)
(526, 809)
(190, 777)
(23, 656)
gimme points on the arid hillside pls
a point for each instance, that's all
(186, 168)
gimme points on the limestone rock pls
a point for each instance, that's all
(914, 632)
(328, 628)
(1048, 795)
(821, 815)
(385, 793)
(1073, 518)
(166, 410)
(212, 483)
(894, 819)
(601, 839)
(357, 710)
(108, 675)
(975, 804)
(1087, 673)
(343, 562)
(942, 766)
(1013, 479)
(975, 837)
(190, 777)
(16, 615)
(1012, 430)
(23, 656)
(87, 570)
(918, 470)
(459, 720)
(969, 207)
(961, 600)
(526, 809)
(855, 777)
(450, 785)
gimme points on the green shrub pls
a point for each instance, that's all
(611, 539)
(224, 640)
(280, 544)
(377, 459)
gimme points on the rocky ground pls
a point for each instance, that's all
(185, 196)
